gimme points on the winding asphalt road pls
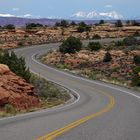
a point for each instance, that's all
(100, 112)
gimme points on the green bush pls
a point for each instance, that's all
(71, 45)
(94, 46)
(107, 57)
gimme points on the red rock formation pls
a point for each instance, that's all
(16, 91)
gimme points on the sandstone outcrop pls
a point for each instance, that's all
(16, 91)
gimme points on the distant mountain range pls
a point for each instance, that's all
(97, 16)
(17, 21)
(23, 21)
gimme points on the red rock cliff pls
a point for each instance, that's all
(16, 91)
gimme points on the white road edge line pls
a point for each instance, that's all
(101, 84)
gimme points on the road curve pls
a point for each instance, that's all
(103, 111)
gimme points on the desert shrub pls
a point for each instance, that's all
(118, 23)
(16, 65)
(119, 43)
(128, 41)
(26, 36)
(20, 44)
(63, 23)
(82, 27)
(131, 48)
(10, 109)
(96, 37)
(107, 57)
(73, 23)
(48, 90)
(135, 23)
(137, 59)
(136, 76)
(94, 46)
(128, 22)
(71, 45)
(9, 27)
(136, 34)
(102, 22)
(33, 25)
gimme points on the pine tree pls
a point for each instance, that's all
(16, 65)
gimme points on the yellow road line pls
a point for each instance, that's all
(62, 130)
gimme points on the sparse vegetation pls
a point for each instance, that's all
(48, 90)
(9, 109)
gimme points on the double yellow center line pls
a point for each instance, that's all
(62, 130)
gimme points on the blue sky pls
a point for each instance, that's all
(67, 8)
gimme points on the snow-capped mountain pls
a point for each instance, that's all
(113, 15)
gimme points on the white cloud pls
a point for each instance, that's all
(15, 9)
(21, 16)
(6, 15)
(27, 16)
(96, 15)
(108, 6)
